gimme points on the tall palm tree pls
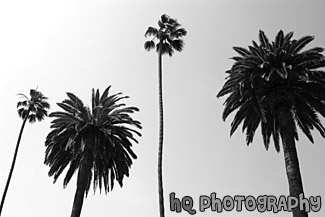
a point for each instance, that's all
(95, 141)
(278, 86)
(32, 109)
(169, 36)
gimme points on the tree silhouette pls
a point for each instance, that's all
(32, 109)
(278, 86)
(94, 141)
(169, 36)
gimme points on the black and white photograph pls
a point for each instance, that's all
(170, 108)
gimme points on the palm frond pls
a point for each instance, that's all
(275, 134)
(105, 94)
(240, 116)
(301, 43)
(263, 39)
(242, 51)
(151, 31)
(288, 37)
(279, 39)
(22, 104)
(178, 33)
(177, 44)
(164, 18)
(148, 45)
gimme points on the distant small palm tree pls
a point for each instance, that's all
(95, 141)
(31, 109)
(278, 86)
(169, 36)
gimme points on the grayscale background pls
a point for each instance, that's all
(70, 45)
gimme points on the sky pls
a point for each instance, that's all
(73, 46)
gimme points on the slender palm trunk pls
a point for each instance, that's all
(291, 158)
(161, 136)
(82, 182)
(13, 162)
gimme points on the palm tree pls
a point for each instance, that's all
(169, 37)
(31, 109)
(278, 86)
(95, 141)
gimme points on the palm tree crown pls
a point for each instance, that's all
(268, 76)
(34, 107)
(100, 134)
(169, 36)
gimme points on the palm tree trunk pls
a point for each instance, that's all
(291, 158)
(161, 135)
(82, 182)
(13, 161)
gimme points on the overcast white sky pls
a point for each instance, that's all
(73, 46)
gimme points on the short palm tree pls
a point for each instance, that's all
(278, 86)
(94, 141)
(169, 37)
(32, 109)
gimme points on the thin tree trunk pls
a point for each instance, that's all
(291, 158)
(161, 135)
(13, 162)
(82, 182)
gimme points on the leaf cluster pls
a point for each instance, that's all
(269, 75)
(106, 131)
(34, 108)
(169, 36)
